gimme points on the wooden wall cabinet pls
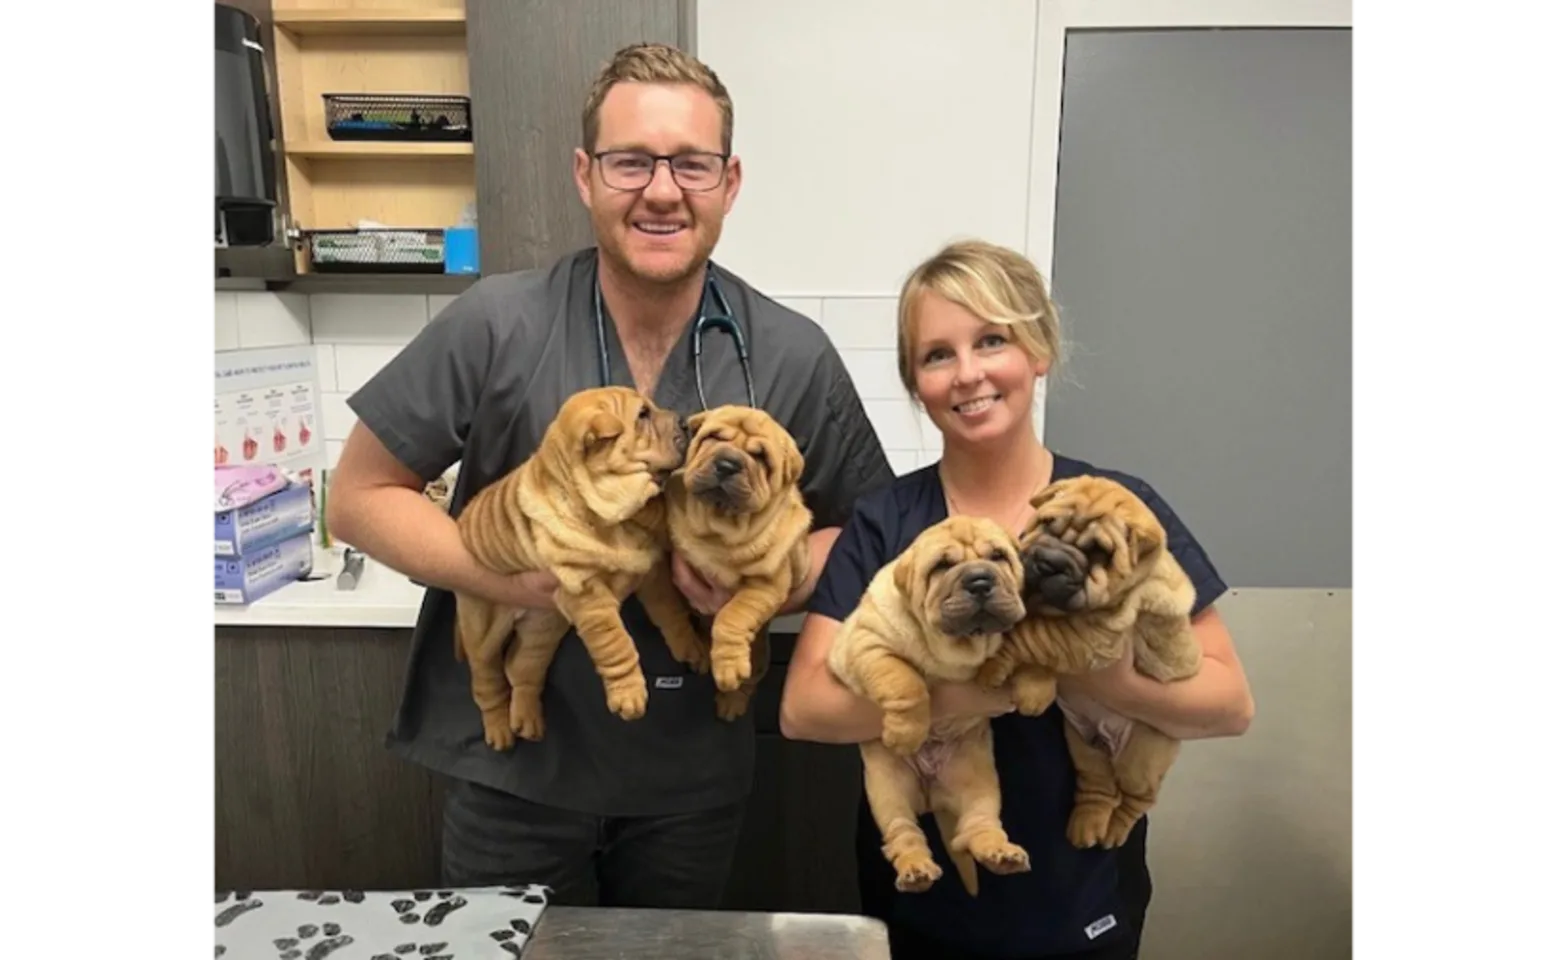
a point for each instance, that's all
(526, 64)
(357, 46)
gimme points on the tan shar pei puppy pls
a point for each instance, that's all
(736, 515)
(585, 507)
(935, 613)
(1100, 581)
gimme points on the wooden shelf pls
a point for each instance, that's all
(381, 149)
(364, 22)
(369, 46)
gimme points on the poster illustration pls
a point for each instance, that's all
(267, 411)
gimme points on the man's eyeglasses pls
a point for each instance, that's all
(633, 169)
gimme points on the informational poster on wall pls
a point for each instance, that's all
(268, 411)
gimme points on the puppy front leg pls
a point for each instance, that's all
(538, 635)
(737, 623)
(482, 628)
(895, 798)
(1096, 790)
(666, 608)
(731, 704)
(594, 610)
(996, 670)
(1033, 688)
(1140, 768)
(902, 696)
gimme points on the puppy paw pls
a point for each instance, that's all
(1033, 695)
(627, 697)
(1119, 828)
(1089, 825)
(916, 873)
(1001, 856)
(496, 730)
(729, 669)
(526, 714)
(903, 735)
(692, 653)
(698, 658)
(993, 674)
(731, 704)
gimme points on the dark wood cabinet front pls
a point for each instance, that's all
(307, 796)
(531, 64)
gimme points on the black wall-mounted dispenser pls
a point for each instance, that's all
(246, 162)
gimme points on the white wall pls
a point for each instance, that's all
(947, 114)
(355, 334)
(871, 132)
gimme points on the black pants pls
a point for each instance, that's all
(907, 945)
(1134, 894)
(679, 861)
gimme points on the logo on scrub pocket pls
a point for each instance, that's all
(668, 683)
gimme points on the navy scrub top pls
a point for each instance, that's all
(480, 384)
(1071, 900)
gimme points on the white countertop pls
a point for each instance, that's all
(383, 598)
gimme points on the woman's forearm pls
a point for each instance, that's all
(816, 706)
(1213, 703)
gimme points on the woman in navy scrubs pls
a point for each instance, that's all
(976, 330)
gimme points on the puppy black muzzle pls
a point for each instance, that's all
(1055, 575)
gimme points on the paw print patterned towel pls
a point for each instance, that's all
(461, 924)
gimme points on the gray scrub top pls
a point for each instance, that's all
(480, 384)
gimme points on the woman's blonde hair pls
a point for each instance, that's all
(995, 283)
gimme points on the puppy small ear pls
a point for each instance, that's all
(694, 421)
(1144, 539)
(903, 574)
(792, 461)
(1044, 494)
(603, 427)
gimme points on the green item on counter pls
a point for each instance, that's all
(325, 535)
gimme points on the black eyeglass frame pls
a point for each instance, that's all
(657, 158)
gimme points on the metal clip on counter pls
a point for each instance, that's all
(352, 569)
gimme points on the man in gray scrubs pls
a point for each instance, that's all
(641, 813)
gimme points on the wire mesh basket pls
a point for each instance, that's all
(395, 116)
(377, 250)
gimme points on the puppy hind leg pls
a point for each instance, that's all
(595, 613)
(538, 635)
(668, 611)
(1140, 768)
(733, 633)
(1096, 790)
(482, 629)
(896, 797)
(968, 788)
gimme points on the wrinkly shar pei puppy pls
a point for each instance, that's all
(935, 613)
(1099, 582)
(587, 508)
(736, 515)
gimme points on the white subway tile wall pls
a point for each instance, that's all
(356, 334)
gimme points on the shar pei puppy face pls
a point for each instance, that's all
(617, 447)
(960, 580)
(740, 460)
(1089, 544)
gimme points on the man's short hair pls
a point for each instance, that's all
(654, 63)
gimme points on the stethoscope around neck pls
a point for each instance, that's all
(722, 320)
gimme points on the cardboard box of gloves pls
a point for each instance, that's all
(264, 518)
